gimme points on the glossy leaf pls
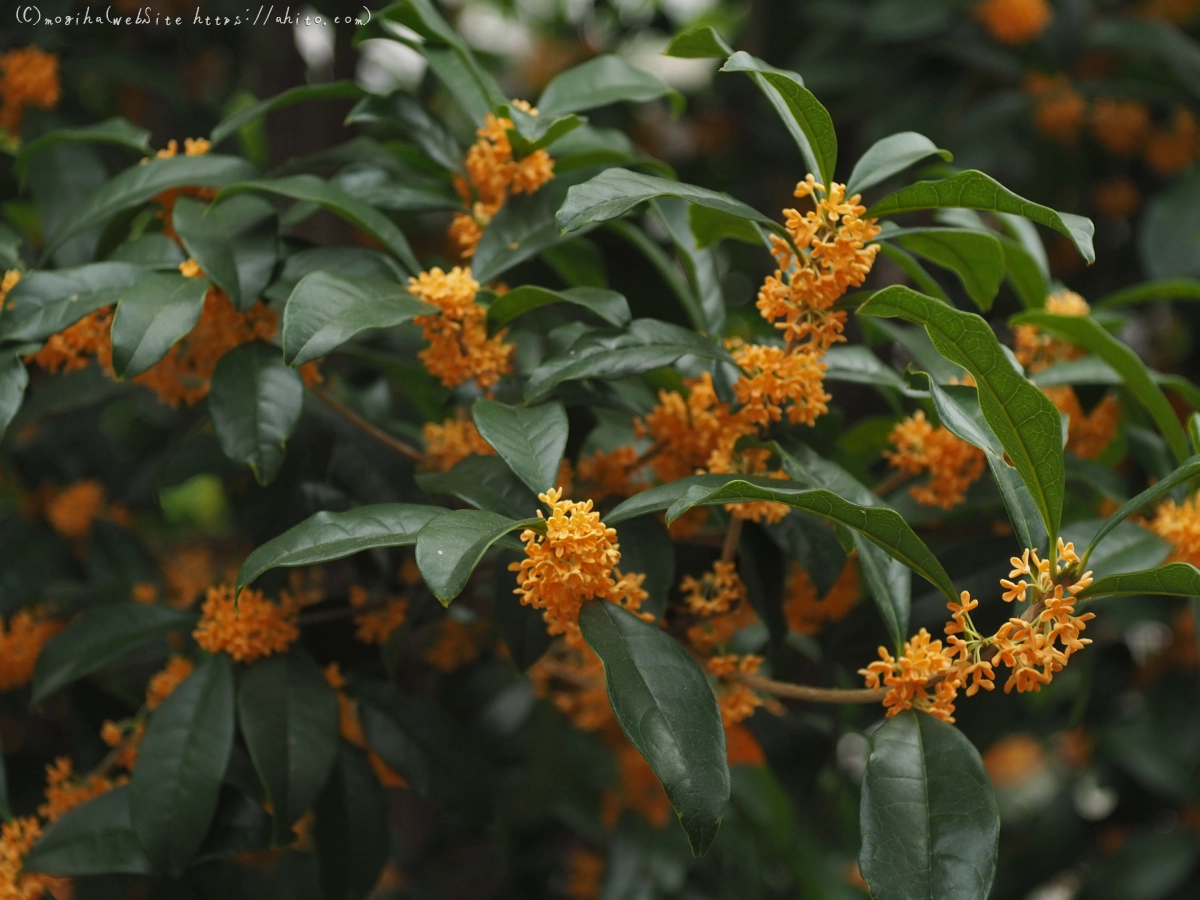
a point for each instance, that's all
(806, 119)
(890, 156)
(659, 497)
(288, 715)
(928, 816)
(334, 535)
(531, 439)
(1174, 579)
(13, 380)
(233, 241)
(665, 706)
(609, 306)
(615, 192)
(325, 310)
(699, 263)
(1024, 274)
(401, 109)
(305, 93)
(1024, 420)
(647, 344)
(46, 302)
(602, 81)
(255, 402)
(1087, 333)
(99, 637)
(118, 131)
(646, 548)
(484, 482)
(181, 760)
(451, 546)
(702, 42)
(976, 258)
(858, 365)
(1163, 289)
(974, 190)
(351, 831)
(95, 838)
(521, 626)
(311, 189)
(139, 183)
(883, 527)
(152, 315)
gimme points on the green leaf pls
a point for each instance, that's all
(1087, 333)
(400, 109)
(915, 271)
(806, 119)
(351, 831)
(45, 303)
(240, 825)
(140, 183)
(451, 546)
(349, 262)
(1024, 274)
(699, 263)
(609, 306)
(660, 497)
(181, 761)
(1168, 239)
(485, 482)
(521, 626)
(665, 264)
(858, 365)
(325, 310)
(1174, 579)
(330, 90)
(890, 156)
(151, 316)
(602, 81)
(646, 345)
(884, 527)
(1189, 469)
(96, 838)
(1157, 291)
(976, 258)
(334, 535)
(99, 637)
(974, 190)
(928, 816)
(151, 251)
(703, 42)
(13, 381)
(255, 402)
(111, 131)
(711, 226)
(531, 133)
(233, 241)
(1158, 41)
(615, 191)
(288, 715)
(646, 548)
(1024, 420)
(667, 709)
(1127, 548)
(531, 439)
(1150, 865)
(311, 189)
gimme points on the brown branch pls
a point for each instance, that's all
(889, 484)
(732, 536)
(808, 692)
(392, 443)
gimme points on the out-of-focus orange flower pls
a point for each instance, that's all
(72, 510)
(1035, 349)
(585, 872)
(572, 678)
(1014, 759)
(1120, 125)
(28, 77)
(806, 612)
(640, 790)
(611, 474)
(1058, 110)
(247, 627)
(953, 464)
(1116, 198)
(1013, 22)
(1087, 433)
(735, 699)
(375, 626)
(350, 728)
(456, 644)
(188, 571)
(743, 747)
(21, 642)
(17, 837)
(1179, 524)
(1171, 150)
(64, 791)
(163, 683)
(448, 444)
(7, 283)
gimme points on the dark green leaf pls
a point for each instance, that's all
(646, 548)
(703, 42)
(240, 825)
(658, 498)
(614, 192)
(110, 131)
(928, 816)
(1024, 420)
(665, 264)
(1152, 292)
(1174, 580)
(255, 402)
(233, 241)
(96, 838)
(857, 364)
(1087, 333)
(531, 439)
(330, 90)
(351, 831)
(521, 626)
(1128, 548)
(151, 316)
(602, 81)
(609, 306)
(403, 110)
(153, 251)
(1147, 866)
(699, 263)
(1156, 40)
(324, 311)
(485, 482)
(665, 706)
(181, 760)
(140, 183)
(349, 262)
(288, 715)
(45, 303)
(976, 258)
(711, 226)
(646, 345)
(99, 637)
(1024, 274)
(974, 190)
(333, 535)
(890, 156)
(13, 381)
(451, 546)
(311, 189)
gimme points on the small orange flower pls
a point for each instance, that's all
(1171, 150)
(736, 700)
(572, 678)
(1059, 111)
(72, 510)
(375, 626)
(163, 684)
(1179, 524)
(1013, 22)
(448, 444)
(1014, 759)
(456, 644)
(1088, 434)
(459, 346)
(805, 612)
(922, 665)
(21, 642)
(30, 78)
(64, 791)
(1120, 125)
(717, 592)
(585, 874)
(952, 463)
(612, 474)
(1116, 198)
(776, 381)
(246, 627)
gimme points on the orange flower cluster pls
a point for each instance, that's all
(21, 642)
(1013, 22)
(448, 444)
(614, 474)
(350, 727)
(1120, 126)
(28, 77)
(17, 837)
(73, 510)
(718, 599)
(571, 676)
(456, 644)
(1035, 646)
(688, 428)
(775, 380)
(736, 700)
(459, 347)
(1014, 759)
(73, 347)
(1035, 349)
(1179, 524)
(1058, 110)
(248, 627)
(807, 613)
(585, 872)
(8, 282)
(493, 174)
(375, 626)
(952, 463)
(162, 685)
(1116, 198)
(1171, 150)
(640, 791)
(126, 737)
(576, 560)
(64, 791)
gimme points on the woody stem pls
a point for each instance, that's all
(889, 484)
(392, 443)
(732, 536)
(808, 692)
